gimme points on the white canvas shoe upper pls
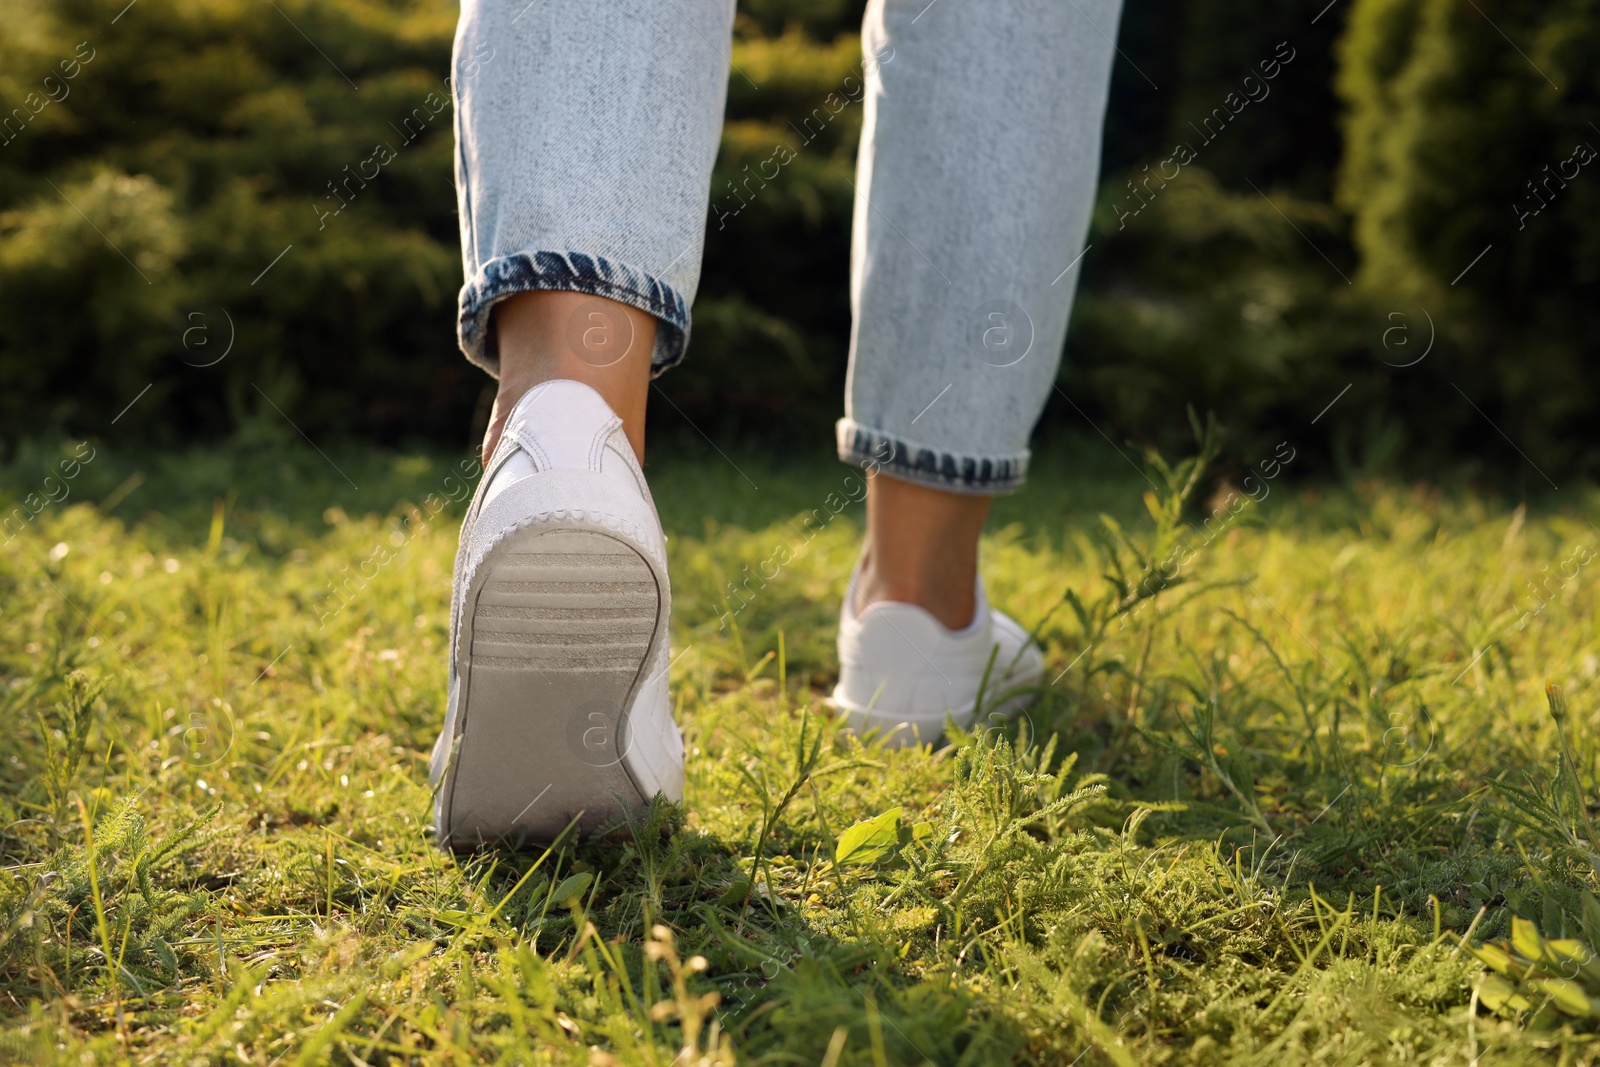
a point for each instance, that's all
(902, 672)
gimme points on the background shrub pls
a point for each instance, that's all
(1328, 222)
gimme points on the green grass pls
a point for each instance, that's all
(1254, 819)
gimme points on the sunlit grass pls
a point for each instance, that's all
(1249, 820)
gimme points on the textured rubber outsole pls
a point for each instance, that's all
(558, 626)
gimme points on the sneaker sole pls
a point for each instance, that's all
(558, 626)
(907, 731)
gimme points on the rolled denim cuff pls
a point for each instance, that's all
(573, 272)
(936, 468)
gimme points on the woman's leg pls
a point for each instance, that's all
(586, 134)
(585, 138)
(979, 158)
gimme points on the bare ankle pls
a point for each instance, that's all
(951, 598)
(922, 549)
(606, 345)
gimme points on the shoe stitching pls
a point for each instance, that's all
(598, 444)
(530, 444)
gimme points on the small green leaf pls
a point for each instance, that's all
(1567, 995)
(164, 953)
(736, 893)
(1570, 958)
(1495, 958)
(919, 833)
(1591, 917)
(1525, 940)
(869, 841)
(1501, 996)
(571, 889)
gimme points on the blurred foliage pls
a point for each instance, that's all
(1467, 129)
(138, 212)
(171, 152)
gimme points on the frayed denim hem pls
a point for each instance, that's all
(575, 272)
(979, 475)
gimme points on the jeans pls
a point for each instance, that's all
(586, 133)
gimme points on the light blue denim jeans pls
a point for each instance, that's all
(586, 133)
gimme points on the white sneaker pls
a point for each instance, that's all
(902, 673)
(558, 701)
